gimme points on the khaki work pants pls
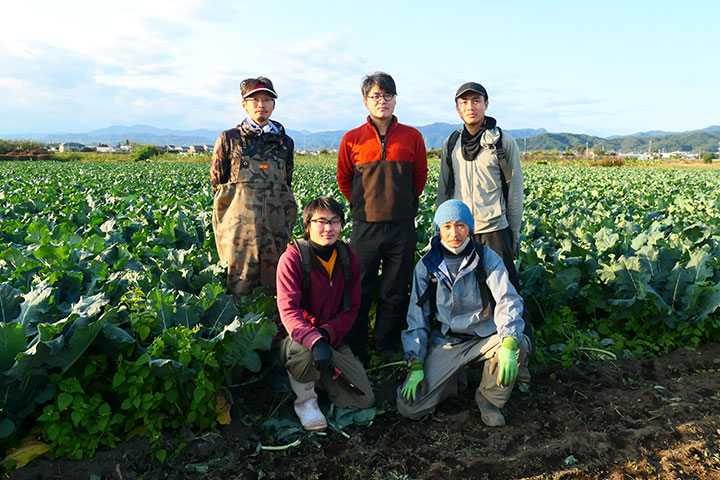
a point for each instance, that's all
(444, 362)
(297, 359)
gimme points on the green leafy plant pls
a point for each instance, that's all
(174, 383)
(563, 338)
(81, 417)
(112, 266)
(145, 152)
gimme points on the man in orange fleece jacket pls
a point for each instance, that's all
(382, 170)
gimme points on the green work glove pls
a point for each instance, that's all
(415, 377)
(506, 359)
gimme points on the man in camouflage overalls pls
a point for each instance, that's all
(254, 209)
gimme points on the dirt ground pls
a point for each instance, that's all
(628, 419)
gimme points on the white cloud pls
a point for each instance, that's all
(11, 83)
(22, 50)
(178, 64)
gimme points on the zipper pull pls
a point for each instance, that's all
(331, 284)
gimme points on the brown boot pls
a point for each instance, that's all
(490, 414)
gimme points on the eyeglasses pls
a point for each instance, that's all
(335, 222)
(376, 97)
(257, 101)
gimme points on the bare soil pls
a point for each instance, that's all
(631, 419)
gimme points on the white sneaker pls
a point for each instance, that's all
(306, 406)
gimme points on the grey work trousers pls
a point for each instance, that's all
(444, 362)
(297, 359)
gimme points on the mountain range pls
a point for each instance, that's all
(704, 140)
(707, 139)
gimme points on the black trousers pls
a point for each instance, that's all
(390, 249)
(501, 243)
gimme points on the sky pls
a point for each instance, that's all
(598, 68)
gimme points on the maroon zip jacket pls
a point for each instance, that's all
(324, 308)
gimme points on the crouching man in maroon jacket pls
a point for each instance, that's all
(316, 315)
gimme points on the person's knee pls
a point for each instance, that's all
(366, 401)
(304, 373)
(411, 412)
(406, 410)
(300, 365)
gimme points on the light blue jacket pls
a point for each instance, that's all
(459, 302)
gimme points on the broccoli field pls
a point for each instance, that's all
(122, 356)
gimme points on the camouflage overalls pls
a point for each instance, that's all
(254, 210)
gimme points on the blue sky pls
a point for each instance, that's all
(601, 68)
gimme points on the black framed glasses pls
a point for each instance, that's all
(376, 97)
(335, 222)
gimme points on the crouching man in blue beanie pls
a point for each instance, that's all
(464, 311)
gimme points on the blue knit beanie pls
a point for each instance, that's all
(453, 211)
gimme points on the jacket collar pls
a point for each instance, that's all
(435, 262)
(247, 129)
(393, 123)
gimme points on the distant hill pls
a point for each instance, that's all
(329, 139)
(695, 141)
(655, 133)
(710, 129)
(643, 134)
(121, 133)
(434, 134)
(147, 129)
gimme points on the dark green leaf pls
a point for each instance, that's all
(10, 300)
(164, 367)
(245, 339)
(12, 342)
(90, 307)
(7, 427)
(83, 334)
(34, 308)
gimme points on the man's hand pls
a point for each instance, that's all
(415, 378)
(322, 356)
(506, 359)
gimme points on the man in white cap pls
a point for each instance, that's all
(464, 311)
(254, 209)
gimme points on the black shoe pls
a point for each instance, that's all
(489, 413)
